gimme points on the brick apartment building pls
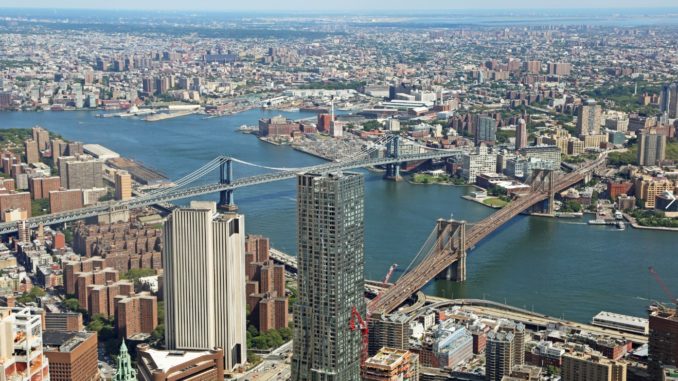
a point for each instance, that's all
(266, 298)
(136, 314)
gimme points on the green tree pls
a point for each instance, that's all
(72, 304)
(35, 293)
(371, 125)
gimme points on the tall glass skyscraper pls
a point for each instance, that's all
(331, 280)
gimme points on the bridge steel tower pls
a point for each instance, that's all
(393, 150)
(226, 200)
(453, 242)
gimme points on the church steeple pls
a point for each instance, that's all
(125, 371)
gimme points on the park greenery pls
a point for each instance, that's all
(371, 125)
(31, 296)
(292, 298)
(654, 218)
(622, 95)
(504, 135)
(73, 304)
(267, 340)
(68, 236)
(135, 274)
(570, 206)
(332, 85)
(426, 178)
(579, 158)
(623, 158)
(39, 207)
(495, 202)
(631, 155)
(158, 334)
(13, 138)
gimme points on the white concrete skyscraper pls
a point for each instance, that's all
(204, 260)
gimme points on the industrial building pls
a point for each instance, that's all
(621, 322)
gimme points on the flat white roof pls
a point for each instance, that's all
(99, 151)
(619, 318)
(164, 360)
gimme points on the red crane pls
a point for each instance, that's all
(364, 332)
(378, 295)
(661, 283)
(389, 273)
(362, 324)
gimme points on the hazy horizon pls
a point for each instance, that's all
(387, 6)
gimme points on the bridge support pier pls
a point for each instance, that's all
(588, 177)
(393, 150)
(456, 245)
(226, 200)
(544, 180)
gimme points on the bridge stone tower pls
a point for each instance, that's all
(452, 239)
(226, 201)
(543, 180)
(393, 150)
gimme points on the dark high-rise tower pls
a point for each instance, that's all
(663, 341)
(331, 281)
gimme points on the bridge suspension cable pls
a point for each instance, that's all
(188, 179)
(427, 244)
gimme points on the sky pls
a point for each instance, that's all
(337, 5)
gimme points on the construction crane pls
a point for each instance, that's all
(661, 284)
(362, 324)
(364, 332)
(378, 295)
(389, 273)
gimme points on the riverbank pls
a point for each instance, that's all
(529, 261)
(164, 116)
(633, 222)
(490, 202)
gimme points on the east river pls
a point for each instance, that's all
(563, 268)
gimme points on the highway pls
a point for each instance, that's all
(274, 367)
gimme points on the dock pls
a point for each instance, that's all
(170, 115)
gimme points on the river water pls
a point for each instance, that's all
(557, 267)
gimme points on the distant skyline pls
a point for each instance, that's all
(344, 5)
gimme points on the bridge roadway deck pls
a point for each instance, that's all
(178, 194)
(438, 261)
